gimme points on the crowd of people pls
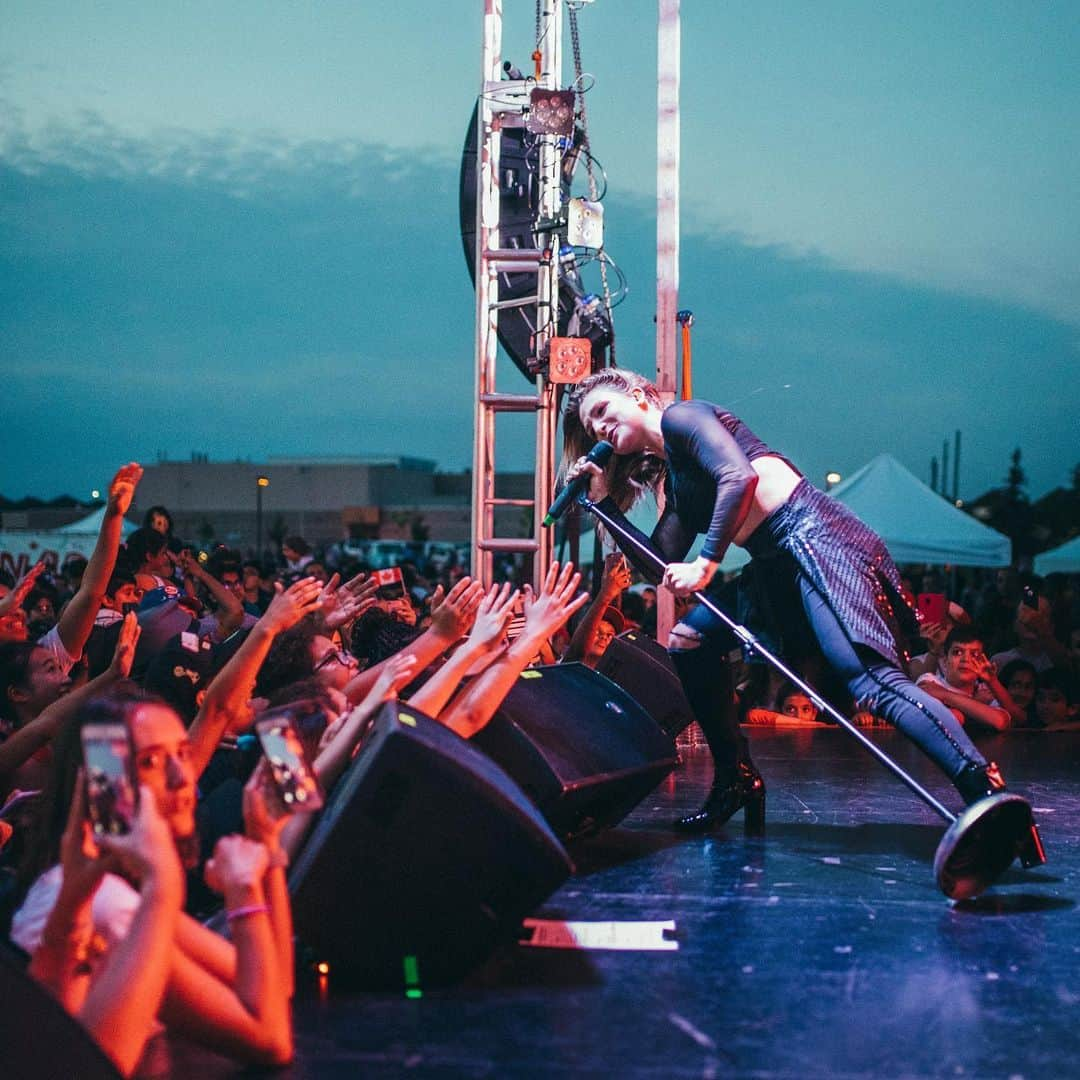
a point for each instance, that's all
(1009, 664)
(172, 656)
(182, 651)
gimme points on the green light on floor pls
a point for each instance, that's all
(412, 977)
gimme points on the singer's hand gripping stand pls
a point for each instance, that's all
(978, 846)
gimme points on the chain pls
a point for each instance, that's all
(575, 38)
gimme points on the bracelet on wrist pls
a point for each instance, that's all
(247, 909)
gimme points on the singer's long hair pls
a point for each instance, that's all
(629, 476)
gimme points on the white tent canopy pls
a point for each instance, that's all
(21, 548)
(92, 524)
(917, 524)
(1060, 560)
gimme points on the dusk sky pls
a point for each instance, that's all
(233, 228)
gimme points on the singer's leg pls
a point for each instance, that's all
(922, 718)
(698, 650)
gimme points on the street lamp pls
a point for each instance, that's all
(832, 479)
(260, 483)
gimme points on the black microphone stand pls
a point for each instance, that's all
(972, 854)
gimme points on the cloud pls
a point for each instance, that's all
(244, 295)
(244, 164)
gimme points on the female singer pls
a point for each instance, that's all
(818, 575)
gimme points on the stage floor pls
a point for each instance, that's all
(823, 948)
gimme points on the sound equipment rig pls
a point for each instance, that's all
(527, 242)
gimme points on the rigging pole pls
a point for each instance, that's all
(503, 103)
(668, 74)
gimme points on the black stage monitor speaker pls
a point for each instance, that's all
(426, 857)
(38, 1039)
(645, 671)
(581, 747)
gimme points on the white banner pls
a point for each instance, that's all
(19, 550)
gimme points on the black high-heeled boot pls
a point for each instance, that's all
(977, 782)
(981, 781)
(744, 791)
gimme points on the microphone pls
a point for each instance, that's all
(598, 455)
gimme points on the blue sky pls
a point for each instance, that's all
(233, 228)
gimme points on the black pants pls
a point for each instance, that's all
(706, 677)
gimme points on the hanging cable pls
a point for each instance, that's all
(575, 38)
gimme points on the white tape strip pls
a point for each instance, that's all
(643, 936)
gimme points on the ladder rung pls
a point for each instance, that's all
(509, 502)
(508, 547)
(514, 258)
(524, 301)
(510, 402)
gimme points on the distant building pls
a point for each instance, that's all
(323, 499)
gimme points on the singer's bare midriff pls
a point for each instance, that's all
(776, 481)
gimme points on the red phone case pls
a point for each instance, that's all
(932, 607)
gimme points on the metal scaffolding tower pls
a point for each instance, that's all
(503, 103)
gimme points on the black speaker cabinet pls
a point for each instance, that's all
(38, 1040)
(578, 745)
(645, 671)
(425, 858)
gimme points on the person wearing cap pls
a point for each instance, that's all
(602, 621)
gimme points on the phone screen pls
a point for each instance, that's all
(110, 790)
(293, 777)
(932, 607)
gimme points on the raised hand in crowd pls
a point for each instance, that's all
(341, 738)
(545, 612)
(265, 821)
(454, 615)
(987, 674)
(118, 1000)
(449, 624)
(615, 578)
(934, 634)
(17, 751)
(77, 619)
(63, 964)
(256, 905)
(228, 697)
(229, 614)
(493, 615)
(122, 488)
(124, 653)
(289, 606)
(484, 641)
(12, 615)
(342, 605)
(557, 600)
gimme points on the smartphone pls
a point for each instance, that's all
(111, 792)
(290, 769)
(1030, 597)
(391, 583)
(932, 607)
